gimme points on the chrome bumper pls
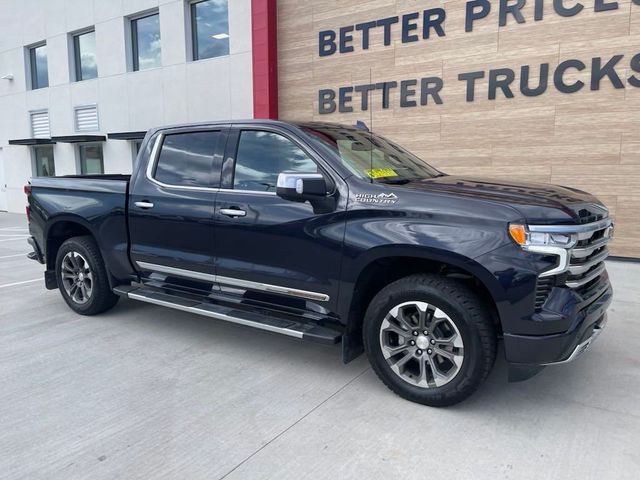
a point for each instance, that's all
(584, 346)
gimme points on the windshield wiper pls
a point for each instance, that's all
(400, 181)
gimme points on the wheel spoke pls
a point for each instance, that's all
(85, 295)
(454, 341)
(393, 328)
(454, 357)
(400, 363)
(388, 351)
(439, 378)
(423, 380)
(398, 314)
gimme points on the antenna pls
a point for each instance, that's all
(371, 125)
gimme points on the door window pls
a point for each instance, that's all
(262, 156)
(186, 159)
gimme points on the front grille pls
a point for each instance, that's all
(587, 258)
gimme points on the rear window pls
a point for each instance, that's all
(186, 159)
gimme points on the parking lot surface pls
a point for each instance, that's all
(147, 392)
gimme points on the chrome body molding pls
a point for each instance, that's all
(234, 282)
(178, 272)
(265, 287)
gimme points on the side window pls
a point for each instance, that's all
(262, 156)
(186, 159)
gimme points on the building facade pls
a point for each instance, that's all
(539, 90)
(83, 79)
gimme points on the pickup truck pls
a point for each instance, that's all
(331, 233)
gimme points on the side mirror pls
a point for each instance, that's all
(300, 187)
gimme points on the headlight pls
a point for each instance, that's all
(523, 237)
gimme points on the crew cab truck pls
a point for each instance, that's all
(331, 233)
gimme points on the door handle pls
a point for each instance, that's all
(144, 204)
(233, 212)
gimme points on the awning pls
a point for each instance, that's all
(79, 138)
(126, 135)
(32, 141)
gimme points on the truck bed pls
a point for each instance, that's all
(97, 202)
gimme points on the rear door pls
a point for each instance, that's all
(268, 248)
(171, 206)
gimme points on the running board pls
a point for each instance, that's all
(291, 328)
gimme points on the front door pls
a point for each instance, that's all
(171, 206)
(272, 249)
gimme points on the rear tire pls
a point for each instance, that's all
(82, 277)
(430, 339)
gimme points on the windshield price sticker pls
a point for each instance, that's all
(381, 173)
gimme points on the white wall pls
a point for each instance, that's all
(179, 91)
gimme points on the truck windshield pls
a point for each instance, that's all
(370, 156)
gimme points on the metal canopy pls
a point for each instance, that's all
(79, 138)
(126, 135)
(32, 141)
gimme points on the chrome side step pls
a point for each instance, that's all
(291, 328)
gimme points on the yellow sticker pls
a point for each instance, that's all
(381, 173)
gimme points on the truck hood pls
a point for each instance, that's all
(537, 202)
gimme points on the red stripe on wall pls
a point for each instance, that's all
(264, 27)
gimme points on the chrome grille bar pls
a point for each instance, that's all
(580, 268)
(586, 251)
(584, 280)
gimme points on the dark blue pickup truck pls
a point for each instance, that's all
(330, 233)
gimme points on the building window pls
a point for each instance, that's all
(84, 52)
(91, 160)
(44, 162)
(38, 66)
(145, 42)
(210, 28)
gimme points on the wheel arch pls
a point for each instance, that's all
(387, 264)
(59, 230)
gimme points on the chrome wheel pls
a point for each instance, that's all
(77, 278)
(421, 344)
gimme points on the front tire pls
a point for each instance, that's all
(82, 277)
(430, 339)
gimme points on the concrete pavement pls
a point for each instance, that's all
(146, 392)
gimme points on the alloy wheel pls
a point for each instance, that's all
(421, 344)
(77, 278)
